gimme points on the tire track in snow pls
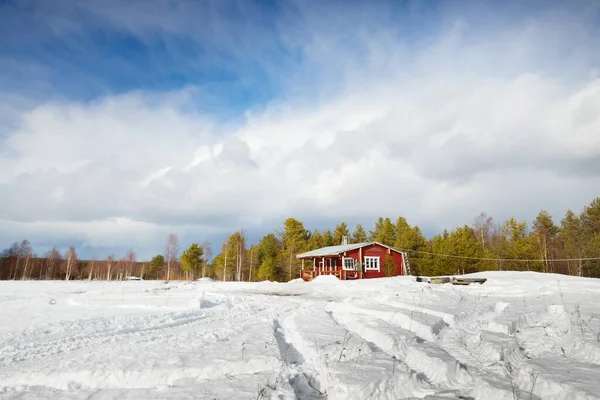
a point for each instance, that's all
(20, 352)
(302, 380)
(445, 373)
(18, 349)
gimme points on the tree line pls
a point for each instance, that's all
(571, 247)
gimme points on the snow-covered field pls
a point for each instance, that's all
(518, 336)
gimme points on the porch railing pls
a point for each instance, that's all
(309, 274)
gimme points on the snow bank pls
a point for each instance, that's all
(519, 335)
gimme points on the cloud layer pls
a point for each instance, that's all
(365, 124)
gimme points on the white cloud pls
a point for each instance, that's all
(436, 137)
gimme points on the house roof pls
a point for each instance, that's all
(335, 250)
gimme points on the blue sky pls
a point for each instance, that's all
(123, 121)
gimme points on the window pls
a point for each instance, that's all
(371, 263)
(348, 263)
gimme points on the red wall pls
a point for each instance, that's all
(376, 250)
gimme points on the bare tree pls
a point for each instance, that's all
(109, 261)
(24, 252)
(143, 268)
(207, 246)
(26, 269)
(483, 225)
(53, 257)
(71, 257)
(91, 273)
(240, 254)
(130, 260)
(171, 251)
(251, 263)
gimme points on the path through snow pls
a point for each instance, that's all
(518, 336)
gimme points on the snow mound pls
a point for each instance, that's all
(521, 335)
(325, 279)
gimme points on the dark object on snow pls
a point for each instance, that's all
(438, 280)
(468, 281)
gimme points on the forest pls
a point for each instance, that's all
(571, 247)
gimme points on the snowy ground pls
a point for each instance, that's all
(518, 336)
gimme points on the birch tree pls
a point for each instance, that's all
(545, 232)
(91, 272)
(71, 257)
(109, 263)
(130, 259)
(207, 255)
(171, 252)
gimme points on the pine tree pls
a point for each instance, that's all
(464, 242)
(384, 232)
(545, 233)
(156, 265)
(376, 232)
(359, 235)
(316, 241)
(340, 231)
(590, 230)
(269, 258)
(294, 239)
(572, 242)
(192, 260)
(412, 240)
(389, 268)
(328, 238)
(590, 218)
(518, 244)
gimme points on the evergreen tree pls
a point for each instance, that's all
(316, 241)
(384, 232)
(377, 232)
(328, 238)
(268, 270)
(463, 242)
(591, 268)
(389, 268)
(518, 244)
(590, 218)
(545, 233)
(359, 235)
(340, 231)
(294, 239)
(269, 258)
(440, 244)
(156, 265)
(572, 242)
(412, 240)
(192, 260)
(590, 232)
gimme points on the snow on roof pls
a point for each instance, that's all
(333, 250)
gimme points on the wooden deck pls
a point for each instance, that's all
(310, 274)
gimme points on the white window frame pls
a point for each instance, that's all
(372, 263)
(345, 267)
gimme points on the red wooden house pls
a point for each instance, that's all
(352, 261)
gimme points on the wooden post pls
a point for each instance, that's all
(360, 261)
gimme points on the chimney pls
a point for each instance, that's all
(344, 240)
